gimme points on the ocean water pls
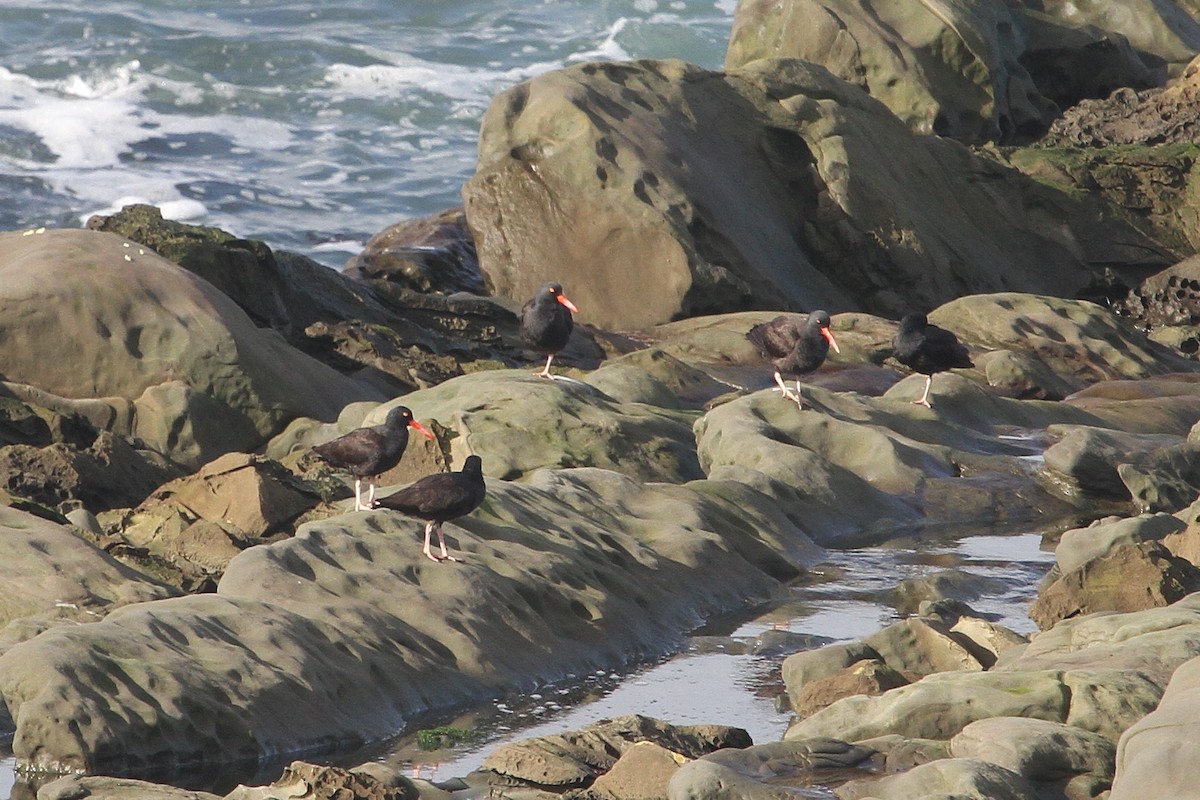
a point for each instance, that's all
(310, 126)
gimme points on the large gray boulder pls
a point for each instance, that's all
(156, 353)
(812, 195)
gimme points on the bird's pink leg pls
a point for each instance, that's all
(371, 493)
(788, 392)
(545, 373)
(428, 530)
(358, 506)
(924, 401)
(442, 541)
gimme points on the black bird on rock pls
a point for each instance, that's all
(439, 498)
(368, 452)
(546, 323)
(928, 349)
(795, 345)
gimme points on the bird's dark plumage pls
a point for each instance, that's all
(367, 452)
(546, 322)
(928, 349)
(795, 345)
(439, 498)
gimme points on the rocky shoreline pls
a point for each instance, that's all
(186, 588)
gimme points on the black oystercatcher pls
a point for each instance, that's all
(795, 346)
(928, 349)
(367, 452)
(546, 323)
(438, 498)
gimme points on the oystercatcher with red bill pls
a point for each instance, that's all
(928, 349)
(795, 345)
(546, 323)
(368, 452)
(439, 498)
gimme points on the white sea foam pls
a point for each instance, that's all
(609, 49)
(84, 121)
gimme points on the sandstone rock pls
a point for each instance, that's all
(1130, 577)
(1078, 546)
(106, 474)
(643, 772)
(1155, 116)
(52, 577)
(380, 332)
(808, 666)
(807, 237)
(1022, 376)
(940, 705)
(1167, 479)
(99, 787)
(917, 647)
(1044, 752)
(518, 423)
(323, 782)
(253, 494)
(1084, 459)
(1151, 182)
(1101, 700)
(577, 758)
(342, 632)
(987, 638)
(869, 677)
(947, 584)
(902, 753)
(951, 72)
(1076, 339)
(767, 771)
(1154, 755)
(960, 778)
(433, 253)
(1152, 643)
(178, 364)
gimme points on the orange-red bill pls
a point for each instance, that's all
(412, 423)
(562, 298)
(828, 334)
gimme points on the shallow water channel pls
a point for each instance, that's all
(730, 672)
